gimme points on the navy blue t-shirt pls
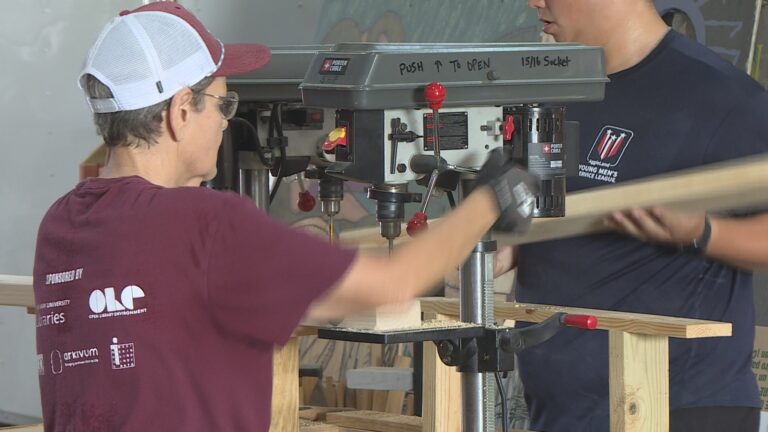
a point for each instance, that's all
(681, 107)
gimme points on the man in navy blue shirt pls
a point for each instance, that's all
(671, 104)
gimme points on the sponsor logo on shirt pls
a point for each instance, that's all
(609, 146)
(606, 153)
(62, 277)
(53, 304)
(57, 363)
(52, 318)
(104, 303)
(123, 355)
(73, 358)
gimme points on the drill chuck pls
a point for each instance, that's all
(331, 193)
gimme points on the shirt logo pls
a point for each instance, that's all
(46, 318)
(104, 304)
(610, 146)
(73, 358)
(123, 355)
(57, 363)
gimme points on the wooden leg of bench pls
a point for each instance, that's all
(441, 395)
(285, 388)
(639, 382)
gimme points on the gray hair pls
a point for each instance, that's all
(126, 128)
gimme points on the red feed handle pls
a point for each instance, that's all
(587, 322)
(434, 93)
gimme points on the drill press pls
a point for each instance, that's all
(399, 128)
(275, 133)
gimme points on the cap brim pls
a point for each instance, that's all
(243, 58)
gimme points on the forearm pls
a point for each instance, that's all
(414, 267)
(420, 264)
(740, 242)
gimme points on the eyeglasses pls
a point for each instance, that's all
(227, 104)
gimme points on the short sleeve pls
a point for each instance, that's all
(263, 275)
(742, 132)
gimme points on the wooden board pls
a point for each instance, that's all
(16, 291)
(638, 382)
(318, 413)
(724, 186)
(27, 428)
(285, 388)
(396, 398)
(329, 392)
(375, 421)
(441, 400)
(312, 426)
(729, 185)
(606, 320)
(386, 318)
(308, 385)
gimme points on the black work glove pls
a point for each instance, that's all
(515, 191)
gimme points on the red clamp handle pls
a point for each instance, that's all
(306, 202)
(434, 93)
(587, 322)
(417, 224)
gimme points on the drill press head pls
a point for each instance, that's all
(378, 93)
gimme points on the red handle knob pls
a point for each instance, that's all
(434, 93)
(417, 223)
(509, 128)
(306, 202)
(587, 322)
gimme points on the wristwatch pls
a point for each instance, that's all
(699, 244)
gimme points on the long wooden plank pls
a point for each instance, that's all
(375, 421)
(683, 328)
(27, 428)
(741, 183)
(716, 187)
(16, 291)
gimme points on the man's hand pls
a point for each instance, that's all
(514, 190)
(659, 225)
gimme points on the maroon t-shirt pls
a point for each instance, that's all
(158, 309)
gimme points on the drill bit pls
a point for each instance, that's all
(331, 230)
(391, 242)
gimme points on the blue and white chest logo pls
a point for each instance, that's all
(610, 146)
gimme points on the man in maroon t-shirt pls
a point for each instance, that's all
(159, 303)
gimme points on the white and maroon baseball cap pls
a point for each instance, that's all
(148, 54)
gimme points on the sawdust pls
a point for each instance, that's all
(425, 325)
